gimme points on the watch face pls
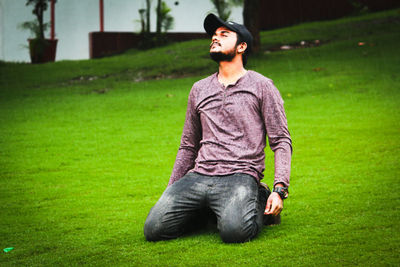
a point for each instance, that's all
(282, 191)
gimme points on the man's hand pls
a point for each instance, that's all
(274, 204)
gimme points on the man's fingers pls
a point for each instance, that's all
(277, 210)
(274, 205)
(274, 208)
(268, 206)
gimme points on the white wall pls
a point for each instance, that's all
(1, 31)
(76, 18)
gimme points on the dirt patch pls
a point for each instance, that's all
(292, 46)
(136, 76)
(83, 79)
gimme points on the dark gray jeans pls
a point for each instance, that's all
(237, 201)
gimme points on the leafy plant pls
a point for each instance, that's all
(37, 27)
(223, 7)
(166, 20)
(164, 23)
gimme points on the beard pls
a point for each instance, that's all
(220, 56)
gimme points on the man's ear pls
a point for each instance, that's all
(241, 47)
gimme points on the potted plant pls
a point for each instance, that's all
(40, 49)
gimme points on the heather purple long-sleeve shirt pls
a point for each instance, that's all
(226, 128)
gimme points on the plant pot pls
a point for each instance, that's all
(42, 50)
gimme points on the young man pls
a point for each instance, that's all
(220, 161)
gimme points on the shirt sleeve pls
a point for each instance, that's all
(190, 142)
(278, 134)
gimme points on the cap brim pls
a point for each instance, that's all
(212, 23)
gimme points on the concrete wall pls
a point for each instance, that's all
(76, 18)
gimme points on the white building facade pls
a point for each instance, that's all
(74, 19)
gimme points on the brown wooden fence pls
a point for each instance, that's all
(281, 13)
(109, 43)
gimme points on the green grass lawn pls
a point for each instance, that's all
(87, 147)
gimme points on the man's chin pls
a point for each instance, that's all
(219, 56)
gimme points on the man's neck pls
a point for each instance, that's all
(230, 72)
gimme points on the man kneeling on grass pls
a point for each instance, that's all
(220, 161)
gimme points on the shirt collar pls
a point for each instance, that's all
(240, 80)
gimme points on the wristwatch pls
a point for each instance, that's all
(283, 192)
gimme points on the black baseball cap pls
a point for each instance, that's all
(212, 23)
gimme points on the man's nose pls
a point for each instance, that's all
(215, 38)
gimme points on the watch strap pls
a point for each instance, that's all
(283, 192)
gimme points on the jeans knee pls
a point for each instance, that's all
(156, 229)
(150, 231)
(231, 233)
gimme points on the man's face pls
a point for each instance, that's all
(223, 45)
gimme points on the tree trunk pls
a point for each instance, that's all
(148, 4)
(159, 16)
(251, 18)
(40, 19)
